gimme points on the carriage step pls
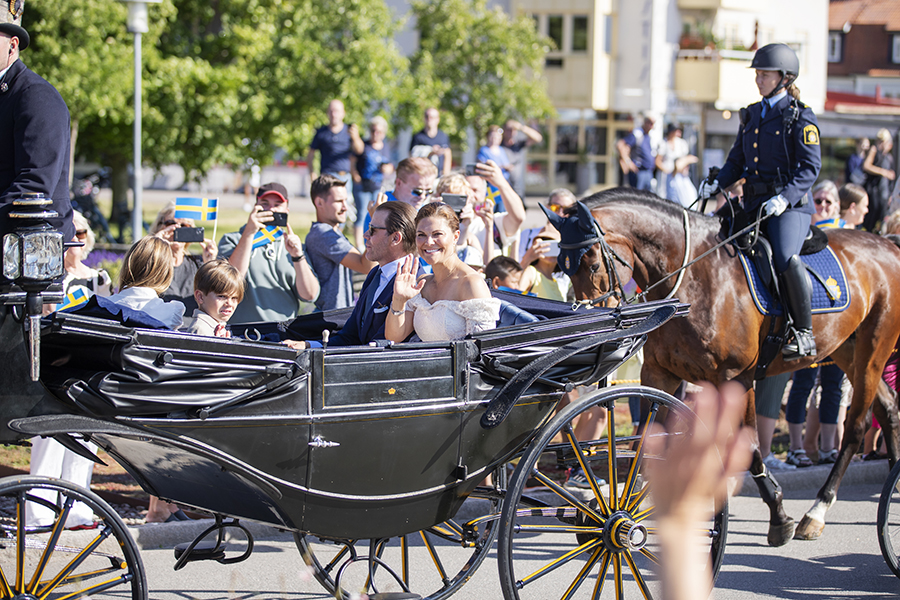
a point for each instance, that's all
(395, 596)
(202, 551)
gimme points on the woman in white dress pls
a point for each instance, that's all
(449, 304)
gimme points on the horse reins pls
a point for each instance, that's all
(609, 255)
(613, 275)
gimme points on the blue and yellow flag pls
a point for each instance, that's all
(264, 236)
(198, 209)
(493, 193)
(74, 299)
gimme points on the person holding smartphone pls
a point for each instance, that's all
(272, 261)
(186, 265)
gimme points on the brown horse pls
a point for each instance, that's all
(645, 237)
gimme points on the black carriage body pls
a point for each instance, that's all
(361, 442)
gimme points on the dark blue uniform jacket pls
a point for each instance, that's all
(364, 324)
(34, 145)
(763, 153)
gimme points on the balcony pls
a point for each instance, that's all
(720, 77)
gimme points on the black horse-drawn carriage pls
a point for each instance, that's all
(366, 454)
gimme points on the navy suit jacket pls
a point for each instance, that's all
(364, 324)
(34, 145)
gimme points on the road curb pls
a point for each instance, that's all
(167, 535)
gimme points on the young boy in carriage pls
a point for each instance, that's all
(218, 289)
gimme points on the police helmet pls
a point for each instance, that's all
(776, 57)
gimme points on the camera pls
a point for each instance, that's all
(279, 219)
(188, 234)
(455, 201)
(470, 170)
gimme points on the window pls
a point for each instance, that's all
(555, 30)
(579, 33)
(895, 49)
(835, 46)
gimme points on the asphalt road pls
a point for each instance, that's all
(845, 563)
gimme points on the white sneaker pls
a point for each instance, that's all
(773, 464)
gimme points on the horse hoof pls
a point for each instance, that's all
(779, 535)
(809, 529)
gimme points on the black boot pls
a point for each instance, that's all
(798, 299)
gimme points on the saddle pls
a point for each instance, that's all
(755, 246)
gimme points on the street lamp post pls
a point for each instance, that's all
(137, 24)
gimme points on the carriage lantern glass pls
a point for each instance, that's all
(35, 256)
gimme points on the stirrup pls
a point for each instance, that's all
(802, 344)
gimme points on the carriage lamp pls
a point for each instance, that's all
(33, 260)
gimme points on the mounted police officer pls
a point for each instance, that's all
(777, 153)
(34, 129)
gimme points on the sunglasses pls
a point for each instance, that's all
(374, 228)
(822, 201)
(81, 234)
(170, 223)
(556, 207)
(421, 192)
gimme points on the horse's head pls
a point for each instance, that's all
(598, 263)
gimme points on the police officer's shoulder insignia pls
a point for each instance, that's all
(811, 135)
(16, 7)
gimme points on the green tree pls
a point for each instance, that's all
(478, 65)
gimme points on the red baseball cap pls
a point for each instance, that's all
(273, 188)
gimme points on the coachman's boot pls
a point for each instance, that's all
(798, 298)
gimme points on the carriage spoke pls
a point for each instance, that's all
(558, 562)
(611, 458)
(639, 456)
(586, 469)
(650, 555)
(637, 499)
(20, 542)
(617, 576)
(64, 577)
(637, 576)
(582, 575)
(567, 496)
(432, 551)
(601, 575)
(57, 530)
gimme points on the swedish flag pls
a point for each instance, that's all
(264, 236)
(199, 209)
(493, 193)
(74, 299)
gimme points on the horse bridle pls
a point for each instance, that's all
(609, 255)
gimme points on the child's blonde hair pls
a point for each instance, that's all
(220, 277)
(148, 264)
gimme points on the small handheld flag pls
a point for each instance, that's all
(74, 299)
(493, 193)
(265, 236)
(199, 209)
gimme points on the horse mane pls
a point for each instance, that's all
(642, 198)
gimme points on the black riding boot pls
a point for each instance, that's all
(798, 298)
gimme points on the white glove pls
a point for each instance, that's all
(708, 190)
(775, 205)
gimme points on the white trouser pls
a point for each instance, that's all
(49, 458)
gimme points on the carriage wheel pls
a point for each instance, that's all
(889, 520)
(437, 547)
(53, 562)
(599, 542)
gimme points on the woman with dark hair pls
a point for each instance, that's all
(454, 300)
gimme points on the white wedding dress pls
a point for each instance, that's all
(452, 319)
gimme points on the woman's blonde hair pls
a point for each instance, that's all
(891, 224)
(440, 211)
(147, 264)
(167, 212)
(454, 183)
(81, 224)
(793, 90)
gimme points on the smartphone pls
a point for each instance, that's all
(553, 250)
(279, 219)
(470, 170)
(455, 201)
(188, 234)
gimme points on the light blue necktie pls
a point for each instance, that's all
(765, 108)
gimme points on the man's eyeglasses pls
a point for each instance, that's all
(374, 228)
(170, 223)
(419, 192)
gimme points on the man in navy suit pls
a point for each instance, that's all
(34, 130)
(390, 238)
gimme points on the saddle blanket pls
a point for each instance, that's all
(825, 263)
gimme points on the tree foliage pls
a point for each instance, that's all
(478, 65)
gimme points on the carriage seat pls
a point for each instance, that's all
(510, 315)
